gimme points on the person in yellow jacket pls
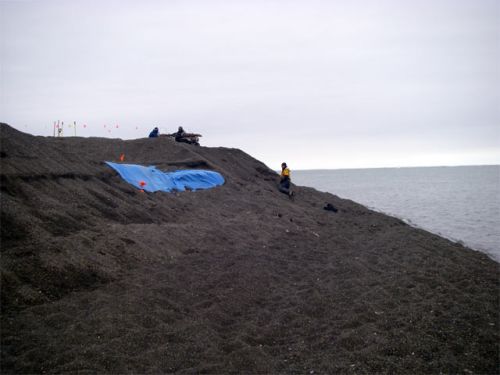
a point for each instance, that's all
(285, 180)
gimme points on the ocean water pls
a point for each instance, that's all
(459, 203)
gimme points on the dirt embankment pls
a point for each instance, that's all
(99, 277)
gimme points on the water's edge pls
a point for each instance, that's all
(456, 203)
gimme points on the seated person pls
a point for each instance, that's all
(154, 133)
(284, 185)
(182, 136)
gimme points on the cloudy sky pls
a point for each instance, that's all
(319, 84)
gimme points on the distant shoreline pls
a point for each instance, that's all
(405, 167)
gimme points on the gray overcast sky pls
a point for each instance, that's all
(319, 84)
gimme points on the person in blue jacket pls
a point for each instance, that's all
(154, 133)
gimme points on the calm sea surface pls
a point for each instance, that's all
(459, 203)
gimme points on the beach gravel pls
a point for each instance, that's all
(99, 277)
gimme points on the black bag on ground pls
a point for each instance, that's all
(330, 207)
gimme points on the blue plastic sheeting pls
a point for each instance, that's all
(156, 180)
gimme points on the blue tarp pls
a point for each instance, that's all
(153, 179)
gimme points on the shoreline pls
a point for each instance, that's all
(450, 238)
(464, 219)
